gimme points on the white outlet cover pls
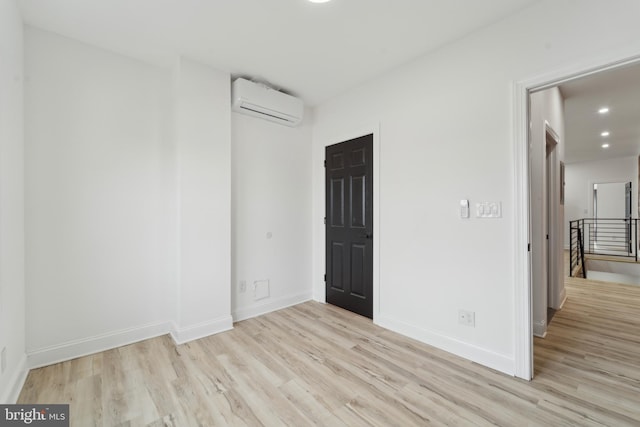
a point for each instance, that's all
(260, 289)
(467, 318)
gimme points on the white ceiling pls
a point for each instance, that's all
(315, 51)
(618, 89)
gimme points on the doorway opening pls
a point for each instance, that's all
(525, 249)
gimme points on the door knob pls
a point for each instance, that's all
(367, 235)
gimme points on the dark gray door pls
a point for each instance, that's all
(349, 225)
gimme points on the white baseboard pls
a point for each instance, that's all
(320, 297)
(201, 330)
(83, 347)
(16, 382)
(563, 297)
(476, 354)
(540, 329)
(265, 307)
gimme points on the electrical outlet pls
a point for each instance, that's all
(467, 318)
(243, 286)
(260, 289)
(3, 360)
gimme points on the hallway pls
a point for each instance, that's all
(591, 349)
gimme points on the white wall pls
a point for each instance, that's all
(271, 213)
(547, 112)
(12, 303)
(580, 177)
(202, 99)
(128, 204)
(99, 268)
(447, 134)
(128, 194)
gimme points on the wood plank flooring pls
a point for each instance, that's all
(315, 364)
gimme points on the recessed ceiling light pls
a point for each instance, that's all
(319, 1)
(603, 110)
(605, 133)
(605, 145)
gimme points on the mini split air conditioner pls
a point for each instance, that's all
(258, 100)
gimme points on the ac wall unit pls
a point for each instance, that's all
(258, 100)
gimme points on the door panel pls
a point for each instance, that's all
(337, 274)
(358, 263)
(358, 202)
(337, 205)
(349, 225)
(358, 157)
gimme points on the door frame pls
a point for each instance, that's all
(523, 322)
(320, 232)
(555, 291)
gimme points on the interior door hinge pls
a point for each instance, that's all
(325, 220)
(528, 247)
(325, 277)
(325, 163)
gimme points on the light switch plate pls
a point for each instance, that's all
(464, 209)
(489, 210)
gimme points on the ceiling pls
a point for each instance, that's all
(617, 89)
(314, 51)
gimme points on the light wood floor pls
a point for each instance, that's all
(317, 364)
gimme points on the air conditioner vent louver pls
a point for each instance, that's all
(254, 109)
(261, 101)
